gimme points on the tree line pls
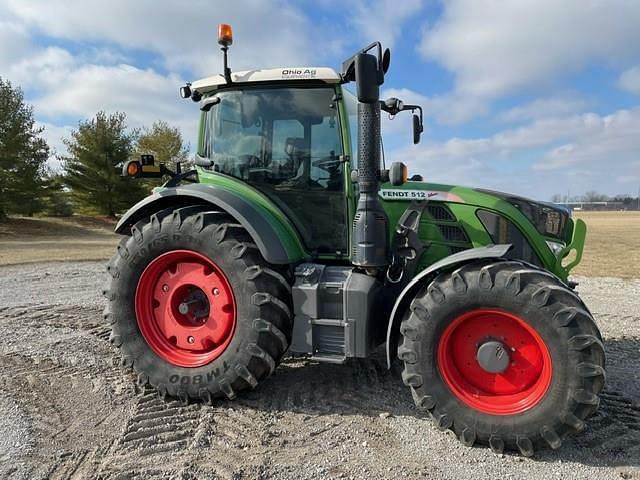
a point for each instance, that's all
(621, 201)
(89, 180)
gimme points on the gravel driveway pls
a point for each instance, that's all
(68, 410)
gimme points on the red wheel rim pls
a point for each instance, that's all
(185, 308)
(519, 387)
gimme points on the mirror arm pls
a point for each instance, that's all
(348, 66)
(414, 108)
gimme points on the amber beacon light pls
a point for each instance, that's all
(225, 34)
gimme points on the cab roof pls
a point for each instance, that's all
(321, 74)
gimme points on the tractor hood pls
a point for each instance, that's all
(549, 220)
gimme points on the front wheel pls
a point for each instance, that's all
(504, 355)
(194, 307)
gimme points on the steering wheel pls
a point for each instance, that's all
(327, 163)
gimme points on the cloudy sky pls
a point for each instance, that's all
(530, 96)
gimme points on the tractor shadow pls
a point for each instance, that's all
(364, 387)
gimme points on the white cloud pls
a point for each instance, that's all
(544, 107)
(611, 142)
(499, 48)
(380, 19)
(630, 80)
(580, 152)
(63, 86)
(144, 95)
(54, 135)
(41, 69)
(15, 43)
(266, 33)
(447, 109)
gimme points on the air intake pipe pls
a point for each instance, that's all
(370, 224)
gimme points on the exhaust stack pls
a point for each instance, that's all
(370, 224)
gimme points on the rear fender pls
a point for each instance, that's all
(447, 263)
(276, 239)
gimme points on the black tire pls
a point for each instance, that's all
(262, 294)
(558, 316)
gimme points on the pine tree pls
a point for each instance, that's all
(23, 155)
(96, 149)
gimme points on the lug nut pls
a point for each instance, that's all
(191, 339)
(216, 291)
(165, 288)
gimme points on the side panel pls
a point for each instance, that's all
(492, 251)
(274, 235)
(442, 229)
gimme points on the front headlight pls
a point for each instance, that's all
(550, 220)
(555, 247)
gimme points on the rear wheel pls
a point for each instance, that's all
(194, 307)
(504, 355)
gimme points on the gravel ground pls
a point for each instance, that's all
(68, 410)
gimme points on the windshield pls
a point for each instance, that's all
(274, 134)
(286, 142)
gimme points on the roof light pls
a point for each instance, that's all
(225, 34)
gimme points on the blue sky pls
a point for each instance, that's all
(535, 97)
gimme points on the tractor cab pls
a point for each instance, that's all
(288, 141)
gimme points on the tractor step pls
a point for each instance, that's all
(337, 359)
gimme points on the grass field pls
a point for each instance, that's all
(613, 245)
(28, 240)
(612, 249)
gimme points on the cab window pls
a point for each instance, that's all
(285, 142)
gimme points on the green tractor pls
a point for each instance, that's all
(289, 235)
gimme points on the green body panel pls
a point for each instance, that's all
(286, 231)
(462, 202)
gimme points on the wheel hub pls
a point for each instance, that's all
(493, 357)
(494, 361)
(195, 305)
(185, 308)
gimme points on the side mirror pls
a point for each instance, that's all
(386, 60)
(398, 173)
(417, 129)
